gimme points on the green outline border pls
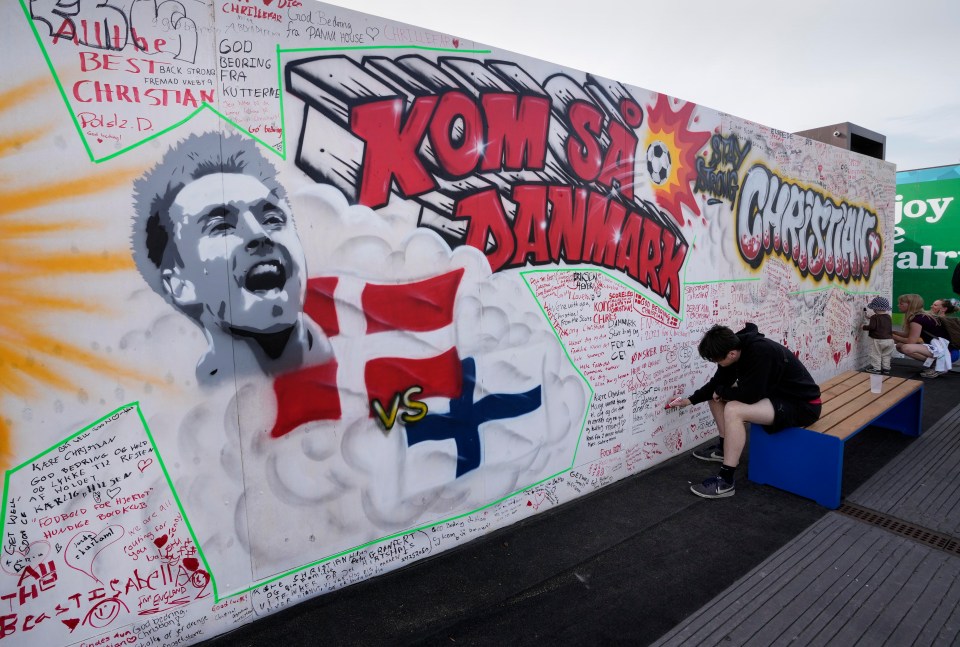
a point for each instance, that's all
(583, 425)
(136, 405)
(833, 287)
(432, 524)
(283, 155)
(146, 428)
(206, 106)
(600, 270)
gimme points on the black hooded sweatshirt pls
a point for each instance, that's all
(765, 369)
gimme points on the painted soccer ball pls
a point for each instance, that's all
(658, 162)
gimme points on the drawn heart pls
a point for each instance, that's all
(144, 464)
(797, 353)
(836, 358)
(160, 541)
(829, 338)
(373, 32)
(267, 2)
(33, 554)
(848, 348)
(71, 623)
(82, 550)
(456, 42)
(538, 500)
(99, 140)
(191, 563)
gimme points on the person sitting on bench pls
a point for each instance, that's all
(757, 380)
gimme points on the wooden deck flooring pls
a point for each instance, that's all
(848, 582)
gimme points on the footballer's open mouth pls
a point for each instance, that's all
(265, 276)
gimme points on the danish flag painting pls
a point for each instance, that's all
(313, 393)
(412, 317)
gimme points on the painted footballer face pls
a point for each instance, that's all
(239, 257)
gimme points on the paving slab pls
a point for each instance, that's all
(920, 485)
(846, 582)
(841, 582)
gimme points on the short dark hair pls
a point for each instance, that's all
(191, 159)
(717, 342)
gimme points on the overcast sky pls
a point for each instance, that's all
(890, 66)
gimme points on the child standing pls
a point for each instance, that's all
(880, 329)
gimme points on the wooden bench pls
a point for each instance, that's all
(809, 460)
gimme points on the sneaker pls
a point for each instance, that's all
(931, 373)
(713, 453)
(875, 371)
(714, 488)
(885, 371)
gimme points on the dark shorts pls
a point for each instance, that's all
(793, 413)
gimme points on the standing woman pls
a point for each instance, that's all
(920, 330)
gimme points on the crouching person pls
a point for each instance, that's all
(757, 380)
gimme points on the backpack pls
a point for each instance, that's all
(952, 326)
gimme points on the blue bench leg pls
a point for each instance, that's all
(798, 460)
(905, 417)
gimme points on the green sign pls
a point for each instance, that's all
(927, 233)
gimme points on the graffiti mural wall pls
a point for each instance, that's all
(294, 296)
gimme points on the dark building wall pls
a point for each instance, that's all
(850, 137)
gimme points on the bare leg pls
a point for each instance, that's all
(918, 352)
(716, 408)
(735, 415)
